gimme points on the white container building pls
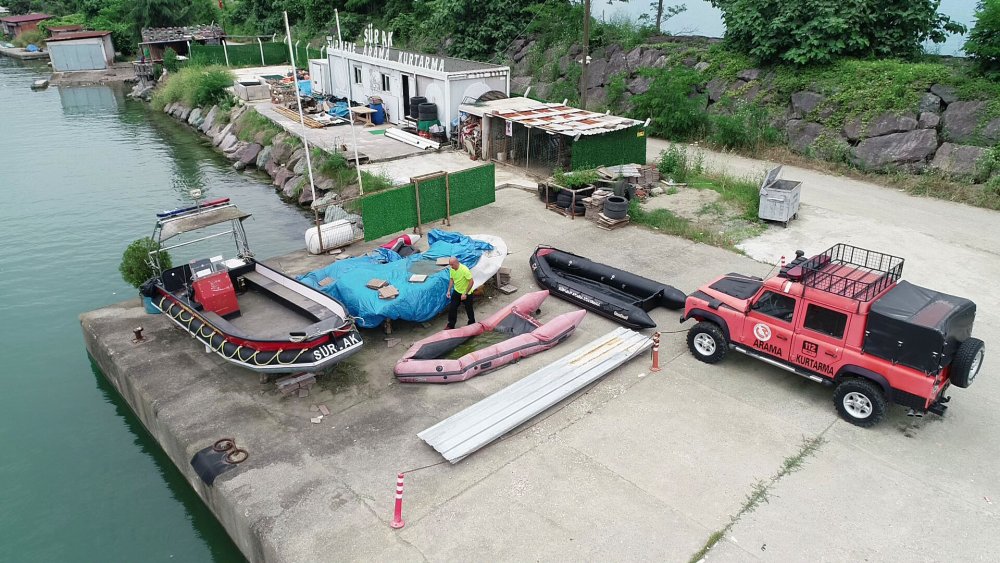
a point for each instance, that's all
(359, 72)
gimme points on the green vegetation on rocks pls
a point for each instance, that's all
(984, 38)
(194, 86)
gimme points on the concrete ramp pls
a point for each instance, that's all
(465, 432)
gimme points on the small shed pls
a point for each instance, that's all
(156, 40)
(16, 25)
(541, 136)
(81, 50)
(56, 30)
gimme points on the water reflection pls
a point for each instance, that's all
(90, 100)
(222, 548)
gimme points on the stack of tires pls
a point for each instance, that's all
(415, 102)
(565, 199)
(615, 207)
(427, 112)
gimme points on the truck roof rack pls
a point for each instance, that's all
(849, 271)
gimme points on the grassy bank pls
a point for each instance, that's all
(194, 86)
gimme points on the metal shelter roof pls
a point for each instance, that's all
(557, 118)
(25, 18)
(173, 226)
(469, 430)
(66, 36)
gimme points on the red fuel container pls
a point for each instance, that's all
(215, 292)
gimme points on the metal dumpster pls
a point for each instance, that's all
(779, 199)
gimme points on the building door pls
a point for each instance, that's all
(404, 104)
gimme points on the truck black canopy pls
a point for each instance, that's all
(918, 327)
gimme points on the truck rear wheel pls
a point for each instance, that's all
(967, 363)
(860, 402)
(707, 342)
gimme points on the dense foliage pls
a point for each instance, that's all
(136, 266)
(195, 86)
(984, 39)
(676, 111)
(818, 31)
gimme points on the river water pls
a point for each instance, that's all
(82, 173)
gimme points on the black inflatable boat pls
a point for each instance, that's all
(616, 294)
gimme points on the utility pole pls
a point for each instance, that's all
(586, 54)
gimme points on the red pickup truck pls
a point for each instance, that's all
(844, 318)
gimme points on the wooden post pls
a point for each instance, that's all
(447, 199)
(416, 190)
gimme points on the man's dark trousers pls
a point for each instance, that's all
(456, 300)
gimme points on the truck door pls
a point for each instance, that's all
(768, 326)
(819, 341)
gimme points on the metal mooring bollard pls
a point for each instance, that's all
(137, 331)
(656, 352)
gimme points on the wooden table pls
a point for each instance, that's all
(364, 113)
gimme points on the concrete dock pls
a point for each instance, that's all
(24, 55)
(641, 466)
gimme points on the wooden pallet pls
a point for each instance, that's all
(294, 116)
(611, 224)
(564, 212)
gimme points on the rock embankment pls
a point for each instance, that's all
(280, 155)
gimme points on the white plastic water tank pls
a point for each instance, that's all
(335, 234)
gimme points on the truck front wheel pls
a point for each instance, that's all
(707, 342)
(860, 402)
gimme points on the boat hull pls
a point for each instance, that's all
(610, 292)
(416, 367)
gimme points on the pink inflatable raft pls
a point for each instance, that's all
(430, 360)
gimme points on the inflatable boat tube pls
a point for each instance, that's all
(426, 361)
(616, 294)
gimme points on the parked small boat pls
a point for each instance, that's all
(40, 84)
(517, 334)
(616, 294)
(248, 313)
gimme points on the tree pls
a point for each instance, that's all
(819, 31)
(984, 39)
(664, 14)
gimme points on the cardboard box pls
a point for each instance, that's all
(418, 278)
(388, 292)
(376, 283)
(443, 261)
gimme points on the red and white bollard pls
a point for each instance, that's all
(656, 352)
(397, 515)
(782, 262)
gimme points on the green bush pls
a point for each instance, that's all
(747, 128)
(984, 39)
(675, 109)
(616, 89)
(194, 86)
(137, 266)
(170, 61)
(376, 182)
(251, 123)
(33, 37)
(676, 164)
(807, 32)
(575, 180)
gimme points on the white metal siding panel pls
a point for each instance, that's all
(469, 430)
(68, 57)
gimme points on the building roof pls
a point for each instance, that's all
(392, 54)
(74, 27)
(188, 33)
(77, 35)
(557, 118)
(25, 18)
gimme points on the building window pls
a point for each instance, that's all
(385, 83)
(357, 75)
(772, 304)
(825, 321)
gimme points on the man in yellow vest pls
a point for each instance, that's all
(459, 291)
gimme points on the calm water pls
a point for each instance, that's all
(703, 19)
(83, 171)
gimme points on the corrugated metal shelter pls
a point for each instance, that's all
(469, 430)
(81, 50)
(542, 136)
(156, 40)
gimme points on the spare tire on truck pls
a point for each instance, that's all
(967, 363)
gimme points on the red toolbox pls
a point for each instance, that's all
(215, 293)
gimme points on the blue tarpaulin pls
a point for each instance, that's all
(417, 302)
